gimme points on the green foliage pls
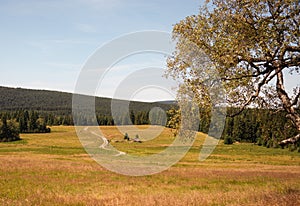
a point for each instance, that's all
(142, 117)
(157, 117)
(244, 40)
(27, 121)
(228, 140)
(259, 142)
(261, 126)
(249, 45)
(8, 130)
(60, 103)
(132, 117)
(174, 119)
(55, 108)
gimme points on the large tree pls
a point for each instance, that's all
(253, 44)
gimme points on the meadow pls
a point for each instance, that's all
(54, 169)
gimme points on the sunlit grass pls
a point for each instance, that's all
(54, 169)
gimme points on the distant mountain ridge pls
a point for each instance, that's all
(172, 102)
(61, 102)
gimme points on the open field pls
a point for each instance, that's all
(53, 169)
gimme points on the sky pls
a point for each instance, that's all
(45, 44)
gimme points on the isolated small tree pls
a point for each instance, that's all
(126, 137)
(252, 44)
(8, 130)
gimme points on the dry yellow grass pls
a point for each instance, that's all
(53, 169)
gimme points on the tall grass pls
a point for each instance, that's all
(53, 169)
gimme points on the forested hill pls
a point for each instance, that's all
(58, 102)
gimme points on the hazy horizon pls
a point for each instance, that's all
(53, 90)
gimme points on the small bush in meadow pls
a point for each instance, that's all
(228, 140)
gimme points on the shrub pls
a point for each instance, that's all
(292, 147)
(228, 140)
(126, 137)
(259, 142)
(8, 131)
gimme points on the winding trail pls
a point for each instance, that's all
(105, 143)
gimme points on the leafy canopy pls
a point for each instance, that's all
(251, 43)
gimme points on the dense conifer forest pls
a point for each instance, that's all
(261, 126)
(12, 99)
(33, 111)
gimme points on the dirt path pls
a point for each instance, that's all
(105, 143)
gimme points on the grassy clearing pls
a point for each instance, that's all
(53, 169)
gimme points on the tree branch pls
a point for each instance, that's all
(297, 98)
(291, 140)
(292, 48)
(254, 96)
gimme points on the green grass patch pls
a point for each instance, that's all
(54, 169)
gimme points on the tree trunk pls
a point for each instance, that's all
(287, 105)
(298, 124)
(295, 139)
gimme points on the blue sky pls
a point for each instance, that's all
(44, 44)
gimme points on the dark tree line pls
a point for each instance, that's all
(261, 126)
(60, 103)
(26, 121)
(37, 121)
(264, 127)
(136, 118)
